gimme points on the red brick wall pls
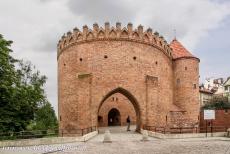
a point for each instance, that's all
(137, 64)
(122, 104)
(186, 90)
(222, 119)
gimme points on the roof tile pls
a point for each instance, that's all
(179, 51)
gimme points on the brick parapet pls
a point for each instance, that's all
(116, 34)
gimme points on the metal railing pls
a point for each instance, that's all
(28, 134)
(46, 133)
(181, 130)
(212, 129)
(77, 132)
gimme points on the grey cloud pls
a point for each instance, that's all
(45, 1)
(102, 10)
(192, 19)
(47, 42)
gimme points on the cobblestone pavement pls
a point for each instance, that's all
(130, 143)
(117, 129)
(44, 149)
(121, 137)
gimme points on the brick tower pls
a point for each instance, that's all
(186, 85)
(106, 74)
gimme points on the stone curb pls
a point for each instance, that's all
(46, 141)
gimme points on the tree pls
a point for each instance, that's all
(45, 117)
(8, 83)
(21, 90)
(217, 105)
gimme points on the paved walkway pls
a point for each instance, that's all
(116, 129)
(121, 137)
(130, 143)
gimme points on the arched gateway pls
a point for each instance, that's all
(132, 100)
(114, 117)
(134, 71)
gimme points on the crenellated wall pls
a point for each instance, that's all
(114, 33)
(95, 65)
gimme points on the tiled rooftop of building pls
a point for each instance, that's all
(179, 51)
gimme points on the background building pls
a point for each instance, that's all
(214, 88)
(214, 84)
(227, 88)
(205, 96)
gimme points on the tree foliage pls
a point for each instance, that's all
(45, 117)
(21, 91)
(218, 102)
(217, 105)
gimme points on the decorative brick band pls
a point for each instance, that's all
(116, 34)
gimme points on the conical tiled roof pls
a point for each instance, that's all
(179, 51)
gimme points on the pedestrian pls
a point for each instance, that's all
(128, 123)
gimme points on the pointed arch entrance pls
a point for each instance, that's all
(114, 117)
(131, 98)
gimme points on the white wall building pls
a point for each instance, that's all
(227, 88)
(205, 96)
(227, 85)
(214, 84)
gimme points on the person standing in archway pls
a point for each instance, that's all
(128, 123)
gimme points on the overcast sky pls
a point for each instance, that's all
(35, 26)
